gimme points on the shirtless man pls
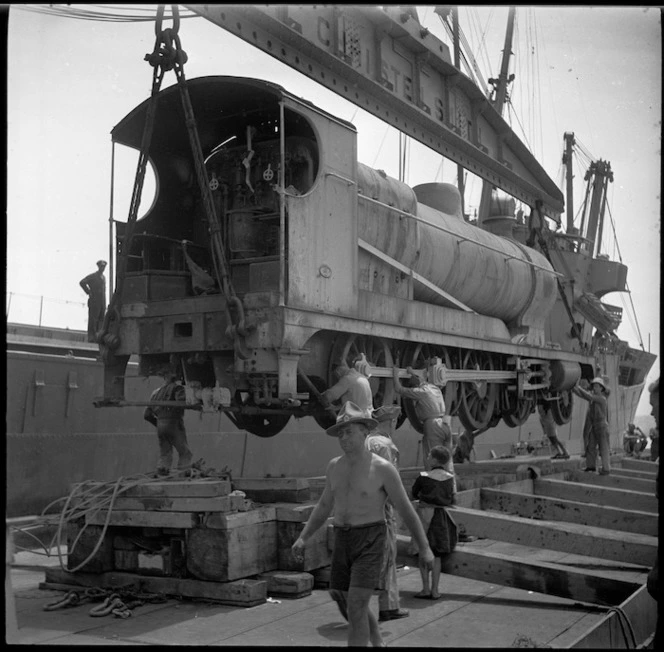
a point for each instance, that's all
(357, 486)
(351, 386)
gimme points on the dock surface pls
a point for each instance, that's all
(500, 590)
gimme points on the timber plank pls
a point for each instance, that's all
(607, 496)
(271, 490)
(537, 576)
(554, 509)
(291, 512)
(619, 482)
(224, 521)
(174, 503)
(633, 473)
(134, 518)
(639, 465)
(241, 593)
(193, 488)
(567, 537)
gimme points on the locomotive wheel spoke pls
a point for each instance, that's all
(477, 398)
(561, 409)
(518, 410)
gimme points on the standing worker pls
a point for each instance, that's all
(549, 428)
(380, 442)
(94, 285)
(596, 426)
(169, 422)
(430, 409)
(352, 386)
(357, 484)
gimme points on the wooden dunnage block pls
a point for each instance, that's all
(81, 542)
(291, 520)
(241, 593)
(288, 584)
(272, 490)
(233, 546)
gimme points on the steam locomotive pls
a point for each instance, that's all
(296, 256)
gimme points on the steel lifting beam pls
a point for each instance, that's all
(385, 62)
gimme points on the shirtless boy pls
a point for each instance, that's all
(357, 485)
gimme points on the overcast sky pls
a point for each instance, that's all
(594, 71)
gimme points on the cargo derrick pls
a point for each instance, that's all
(330, 260)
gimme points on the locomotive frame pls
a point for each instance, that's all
(290, 197)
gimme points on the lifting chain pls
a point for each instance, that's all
(169, 55)
(536, 233)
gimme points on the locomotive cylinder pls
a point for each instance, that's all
(492, 275)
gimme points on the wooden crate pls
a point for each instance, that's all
(233, 546)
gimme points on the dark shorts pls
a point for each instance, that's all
(357, 558)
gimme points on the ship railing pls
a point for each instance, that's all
(39, 310)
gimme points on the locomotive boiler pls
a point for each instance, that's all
(294, 256)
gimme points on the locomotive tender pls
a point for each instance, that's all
(326, 259)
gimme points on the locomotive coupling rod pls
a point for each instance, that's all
(442, 374)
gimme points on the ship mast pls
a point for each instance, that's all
(569, 199)
(499, 98)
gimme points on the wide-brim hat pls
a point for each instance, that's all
(386, 412)
(352, 413)
(599, 381)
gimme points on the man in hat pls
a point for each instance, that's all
(357, 485)
(596, 427)
(169, 422)
(94, 285)
(352, 386)
(380, 442)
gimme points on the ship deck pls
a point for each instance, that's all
(507, 588)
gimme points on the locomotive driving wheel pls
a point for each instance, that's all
(261, 425)
(561, 408)
(517, 410)
(417, 356)
(377, 352)
(477, 398)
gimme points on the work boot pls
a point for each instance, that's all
(392, 614)
(162, 470)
